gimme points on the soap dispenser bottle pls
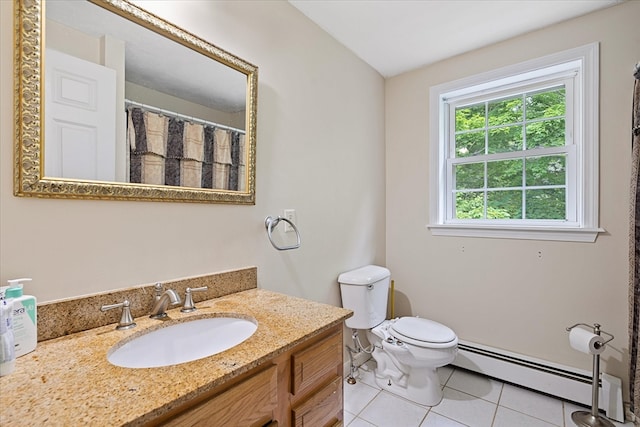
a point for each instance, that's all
(25, 321)
(7, 348)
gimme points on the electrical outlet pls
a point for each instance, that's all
(289, 214)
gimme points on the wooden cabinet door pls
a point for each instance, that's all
(316, 364)
(249, 403)
(322, 408)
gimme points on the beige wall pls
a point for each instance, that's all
(320, 150)
(515, 294)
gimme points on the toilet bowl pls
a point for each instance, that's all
(407, 350)
(407, 366)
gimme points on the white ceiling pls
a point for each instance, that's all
(156, 62)
(395, 36)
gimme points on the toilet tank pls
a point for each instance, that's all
(365, 291)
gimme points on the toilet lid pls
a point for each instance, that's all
(424, 330)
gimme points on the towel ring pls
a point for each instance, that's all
(270, 223)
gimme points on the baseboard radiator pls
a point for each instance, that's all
(556, 380)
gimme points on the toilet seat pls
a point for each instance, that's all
(423, 332)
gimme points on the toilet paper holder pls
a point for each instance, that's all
(596, 330)
(593, 418)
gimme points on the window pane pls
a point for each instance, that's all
(546, 133)
(470, 205)
(504, 204)
(546, 204)
(470, 117)
(550, 170)
(469, 176)
(550, 103)
(508, 138)
(504, 173)
(505, 111)
(470, 144)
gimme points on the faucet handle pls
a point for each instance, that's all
(126, 321)
(157, 288)
(189, 306)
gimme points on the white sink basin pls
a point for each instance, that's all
(181, 342)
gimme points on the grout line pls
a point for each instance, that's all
(454, 420)
(536, 416)
(425, 417)
(449, 377)
(495, 414)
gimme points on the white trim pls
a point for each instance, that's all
(587, 235)
(582, 62)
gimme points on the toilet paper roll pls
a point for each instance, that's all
(585, 341)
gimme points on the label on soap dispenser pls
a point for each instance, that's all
(7, 343)
(24, 325)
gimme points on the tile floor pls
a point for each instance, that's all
(469, 400)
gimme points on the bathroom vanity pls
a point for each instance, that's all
(301, 387)
(288, 373)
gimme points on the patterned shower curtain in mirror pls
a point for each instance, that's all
(168, 150)
(634, 253)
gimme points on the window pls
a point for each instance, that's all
(514, 152)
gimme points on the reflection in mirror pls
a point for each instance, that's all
(134, 107)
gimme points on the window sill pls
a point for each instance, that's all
(587, 235)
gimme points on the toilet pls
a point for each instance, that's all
(407, 350)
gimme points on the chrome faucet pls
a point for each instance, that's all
(162, 300)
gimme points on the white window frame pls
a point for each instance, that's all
(578, 70)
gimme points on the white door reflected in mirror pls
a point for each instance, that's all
(80, 109)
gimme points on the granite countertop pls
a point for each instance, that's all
(68, 380)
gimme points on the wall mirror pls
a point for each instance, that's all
(113, 102)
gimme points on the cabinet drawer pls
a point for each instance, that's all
(249, 403)
(322, 409)
(313, 365)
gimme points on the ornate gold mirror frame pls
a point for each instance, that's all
(29, 179)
